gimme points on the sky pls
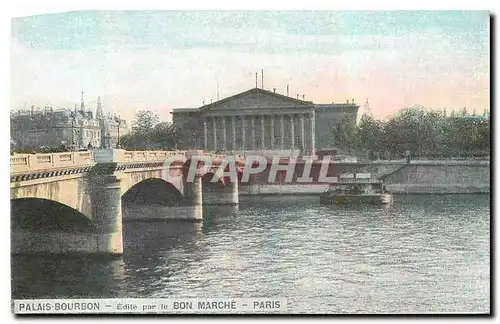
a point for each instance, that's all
(161, 60)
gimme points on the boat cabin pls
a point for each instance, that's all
(358, 184)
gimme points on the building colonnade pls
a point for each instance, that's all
(288, 131)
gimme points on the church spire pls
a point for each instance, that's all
(99, 114)
(366, 108)
(82, 104)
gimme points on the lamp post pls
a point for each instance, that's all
(72, 115)
(118, 122)
(108, 141)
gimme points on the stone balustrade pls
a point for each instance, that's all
(449, 162)
(21, 163)
(122, 156)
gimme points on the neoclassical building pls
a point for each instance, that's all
(261, 120)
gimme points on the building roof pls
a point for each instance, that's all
(257, 90)
(350, 104)
(479, 117)
(337, 106)
(253, 97)
(185, 110)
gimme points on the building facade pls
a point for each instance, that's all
(258, 120)
(74, 128)
(112, 127)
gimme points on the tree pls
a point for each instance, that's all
(166, 136)
(370, 134)
(426, 133)
(484, 137)
(148, 133)
(144, 122)
(128, 141)
(345, 135)
(413, 129)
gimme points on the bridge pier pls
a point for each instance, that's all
(105, 199)
(97, 197)
(192, 205)
(226, 195)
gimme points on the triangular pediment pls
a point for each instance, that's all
(256, 99)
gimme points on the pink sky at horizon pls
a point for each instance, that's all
(431, 67)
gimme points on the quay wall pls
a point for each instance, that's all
(440, 179)
(416, 177)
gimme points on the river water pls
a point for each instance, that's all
(426, 254)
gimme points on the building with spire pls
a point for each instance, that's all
(471, 116)
(76, 129)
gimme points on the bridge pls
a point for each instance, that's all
(72, 202)
(90, 187)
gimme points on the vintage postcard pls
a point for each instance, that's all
(250, 162)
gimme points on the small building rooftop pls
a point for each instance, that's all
(184, 110)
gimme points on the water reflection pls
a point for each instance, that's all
(216, 217)
(49, 276)
(425, 253)
(156, 251)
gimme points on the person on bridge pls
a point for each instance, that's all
(63, 148)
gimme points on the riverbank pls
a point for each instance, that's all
(424, 176)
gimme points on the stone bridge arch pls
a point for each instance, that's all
(70, 190)
(133, 176)
(40, 225)
(156, 191)
(39, 214)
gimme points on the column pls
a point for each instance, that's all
(272, 132)
(313, 133)
(224, 136)
(282, 120)
(302, 130)
(206, 132)
(233, 122)
(292, 133)
(215, 132)
(243, 131)
(253, 132)
(262, 138)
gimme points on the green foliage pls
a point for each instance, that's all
(148, 133)
(423, 132)
(370, 133)
(145, 120)
(345, 135)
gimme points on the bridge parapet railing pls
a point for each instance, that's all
(123, 156)
(215, 157)
(20, 163)
(448, 162)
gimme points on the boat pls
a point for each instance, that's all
(356, 189)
